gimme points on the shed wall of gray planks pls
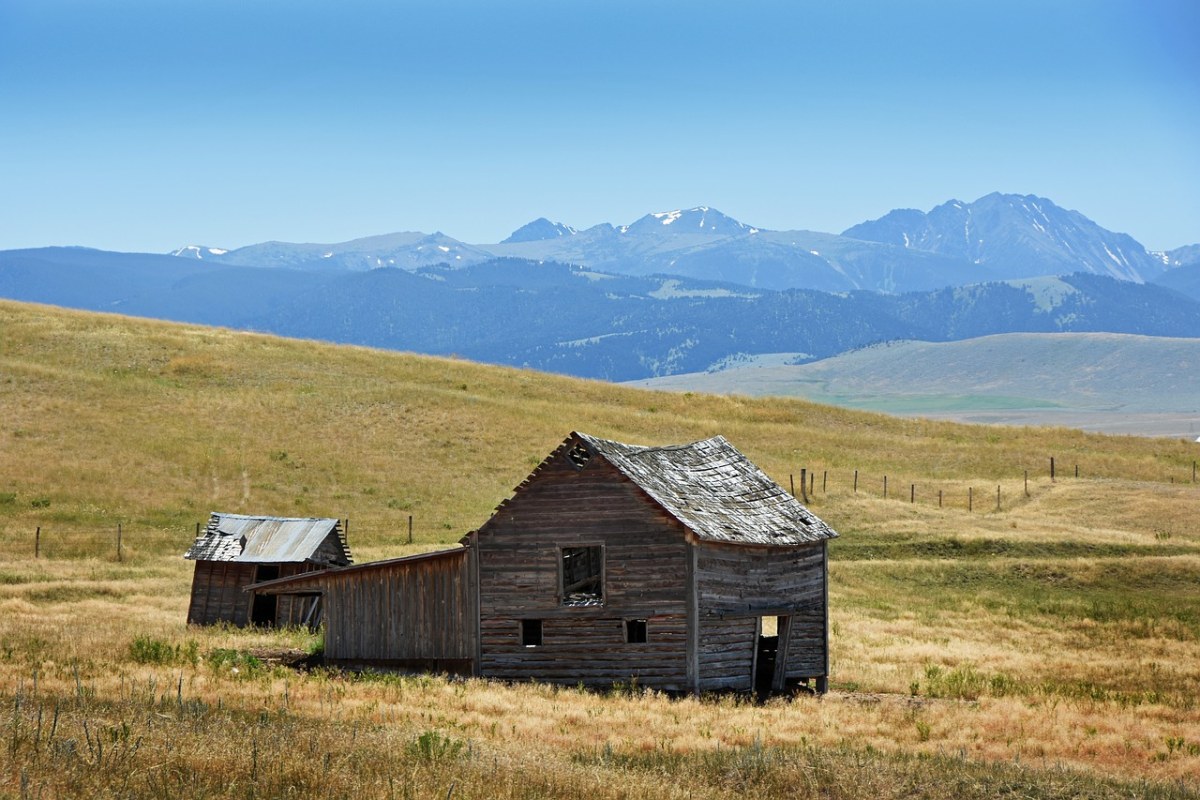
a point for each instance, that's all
(218, 596)
(419, 610)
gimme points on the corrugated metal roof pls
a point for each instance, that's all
(272, 540)
(713, 489)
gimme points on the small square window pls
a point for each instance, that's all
(531, 632)
(635, 631)
(582, 576)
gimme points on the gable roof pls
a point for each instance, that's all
(714, 490)
(272, 540)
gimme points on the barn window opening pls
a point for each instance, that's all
(635, 631)
(579, 456)
(531, 633)
(583, 576)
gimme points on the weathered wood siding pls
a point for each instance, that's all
(747, 582)
(412, 612)
(726, 654)
(217, 594)
(293, 610)
(645, 577)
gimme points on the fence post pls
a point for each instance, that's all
(912, 493)
(856, 481)
(825, 478)
(885, 487)
(1076, 470)
(119, 557)
(792, 483)
(804, 484)
(1052, 469)
(997, 498)
(410, 528)
(939, 498)
(812, 482)
(970, 498)
(37, 543)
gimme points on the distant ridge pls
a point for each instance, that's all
(1102, 381)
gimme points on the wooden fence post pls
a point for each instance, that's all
(970, 498)
(803, 484)
(885, 487)
(825, 478)
(912, 493)
(812, 482)
(37, 543)
(939, 498)
(997, 498)
(856, 481)
(1052, 469)
(1076, 470)
(119, 557)
(410, 528)
(792, 483)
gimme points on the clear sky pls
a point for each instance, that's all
(149, 124)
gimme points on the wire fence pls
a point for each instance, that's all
(945, 494)
(116, 543)
(123, 543)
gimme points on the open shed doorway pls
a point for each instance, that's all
(770, 657)
(264, 606)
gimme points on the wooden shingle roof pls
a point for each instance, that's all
(715, 491)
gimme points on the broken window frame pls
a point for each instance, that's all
(584, 589)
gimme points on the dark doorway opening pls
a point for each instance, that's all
(770, 658)
(265, 606)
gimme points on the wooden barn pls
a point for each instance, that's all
(684, 568)
(235, 551)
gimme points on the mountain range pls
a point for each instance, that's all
(997, 237)
(673, 292)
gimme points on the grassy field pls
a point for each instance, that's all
(1050, 648)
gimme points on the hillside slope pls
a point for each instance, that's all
(1114, 382)
(1061, 611)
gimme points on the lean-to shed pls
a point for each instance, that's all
(668, 566)
(235, 551)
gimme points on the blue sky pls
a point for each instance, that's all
(147, 125)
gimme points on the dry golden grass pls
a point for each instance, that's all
(1048, 649)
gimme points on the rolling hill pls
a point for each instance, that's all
(1109, 382)
(1060, 620)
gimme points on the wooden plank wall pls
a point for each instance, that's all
(645, 577)
(727, 653)
(293, 609)
(742, 581)
(419, 610)
(217, 593)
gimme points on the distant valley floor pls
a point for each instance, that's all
(1108, 383)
